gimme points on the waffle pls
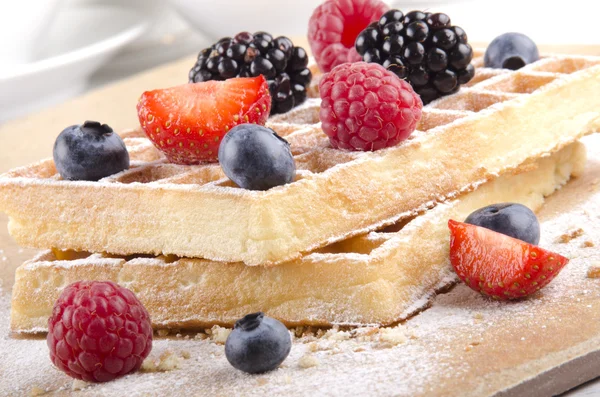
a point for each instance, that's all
(501, 121)
(379, 278)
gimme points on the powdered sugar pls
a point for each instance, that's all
(443, 352)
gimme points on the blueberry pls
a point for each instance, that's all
(256, 158)
(514, 220)
(257, 344)
(511, 51)
(89, 152)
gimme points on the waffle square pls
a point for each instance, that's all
(378, 278)
(500, 122)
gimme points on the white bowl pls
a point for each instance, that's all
(81, 41)
(23, 23)
(223, 18)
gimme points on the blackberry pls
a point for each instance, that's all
(249, 55)
(421, 47)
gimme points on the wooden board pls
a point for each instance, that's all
(462, 346)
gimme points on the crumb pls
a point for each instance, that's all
(588, 244)
(162, 332)
(390, 337)
(185, 354)
(262, 381)
(167, 361)
(334, 334)
(313, 347)
(298, 332)
(36, 391)
(593, 271)
(468, 348)
(79, 384)
(365, 332)
(478, 317)
(359, 349)
(308, 361)
(200, 336)
(178, 336)
(573, 234)
(219, 334)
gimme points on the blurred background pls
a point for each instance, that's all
(53, 50)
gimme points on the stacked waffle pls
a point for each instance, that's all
(358, 238)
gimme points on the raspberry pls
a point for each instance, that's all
(366, 107)
(98, 331)
(334, 26)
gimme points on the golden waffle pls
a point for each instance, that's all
(503, 120)
(379, 278)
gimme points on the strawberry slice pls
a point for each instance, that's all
(498, 265)
(187, 122)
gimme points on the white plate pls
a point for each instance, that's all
(81, 40)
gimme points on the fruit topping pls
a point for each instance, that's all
(89, 152)
(98, 331)
(187, 122)
(334, 26)
(498, 265)
(256, 158)
(514, 220)
(423, 48)
(257, 344)
(510, 51)
(250, 55)
(366, 107)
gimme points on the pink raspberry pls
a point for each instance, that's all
(98, 331)
(366, 107)
(334, 26)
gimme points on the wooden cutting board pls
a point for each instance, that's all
(463, 345)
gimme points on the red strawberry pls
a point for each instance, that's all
(498, 265)
(187, 122)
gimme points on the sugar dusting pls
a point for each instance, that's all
(399, 361)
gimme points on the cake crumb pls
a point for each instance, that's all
(593, 271)
(262, 381)
(390, 337)
(308, 361)
(219, 334)
(478, 317)
(36, 391)
(167, 361)
(334, 334)
(201, 336)
(162, 332)
(79, 384)
(313, 347)
(573, 234)
(588, 244)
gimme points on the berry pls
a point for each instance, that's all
(250, 55)
(257, 344)
(366, 107)
(510, 51)
(514, 220)
(433, 55)
(334, 26)
(89, 152)
(498, 265)
(98, 331)
(187, 122)
(256, 158)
